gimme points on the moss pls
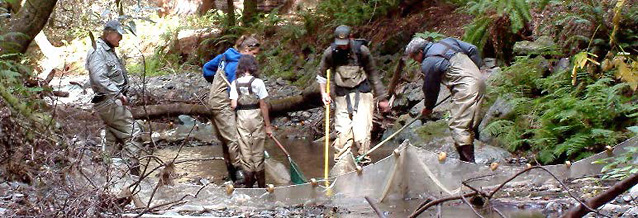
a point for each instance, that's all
(432, 130)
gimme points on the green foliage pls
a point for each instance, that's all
(557, 120)
(436, 36)
(620, 166)
(354, 12)
(595, 26)
(19, 97)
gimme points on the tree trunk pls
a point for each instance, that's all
(28, 23)
(230, 12)
(206, 6)
(604, 197)
(310, 98)
(250, 11)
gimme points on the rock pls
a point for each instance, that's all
(542, 45)
(281, 81)
(610, 209)
(489, 63)
(186, 120)
(633, 192)
(416, 110)
(627, 198)
(561, 66)
(501, 108)
(632, 212)
(485, 154)
(306, 114)
(553, 207)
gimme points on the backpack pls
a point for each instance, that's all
(357, 43)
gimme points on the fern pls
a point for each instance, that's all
(559, 121)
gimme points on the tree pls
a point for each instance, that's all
(24, 26)
(250, 11)
(230, 11)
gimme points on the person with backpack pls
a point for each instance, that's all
(220, 72)
(455, 64)
(247, 94)
(356, 85)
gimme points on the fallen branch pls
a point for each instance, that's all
(427, 204)
(375, 208)
(603, 198)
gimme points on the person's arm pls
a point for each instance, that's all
(233, 95)
(431, 81)
(324, 65)
(210, 68)
(373, 75)
(471, 51)
(262, 93)
(264, 112)
(98, 70)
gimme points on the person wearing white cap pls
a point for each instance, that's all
(109, 81)
(455, 64)
(356, 85)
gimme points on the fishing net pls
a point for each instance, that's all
(408, 173)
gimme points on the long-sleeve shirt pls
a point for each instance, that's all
(232, 59)
(329, 61)
(436, 62)
(107, 74)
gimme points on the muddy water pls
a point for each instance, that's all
(307, 155)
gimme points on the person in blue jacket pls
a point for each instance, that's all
(220, 72)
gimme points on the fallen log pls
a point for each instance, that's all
(308, 99)
(603, 198)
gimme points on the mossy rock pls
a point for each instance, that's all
(541, 46)
(433, 130)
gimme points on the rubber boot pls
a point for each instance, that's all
(466, 153)
(249, 179)
(261, 179)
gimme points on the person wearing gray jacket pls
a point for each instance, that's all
(109, 81)
(455, 64)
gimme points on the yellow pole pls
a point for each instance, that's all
(327, 137)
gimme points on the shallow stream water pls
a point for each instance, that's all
(309, 157)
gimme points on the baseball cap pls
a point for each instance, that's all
(114, 25)
(342, 34)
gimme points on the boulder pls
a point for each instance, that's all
(540, 46)
(500, 109)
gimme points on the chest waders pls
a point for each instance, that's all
(354, 107)
(252, 135)
(224, 120)
(463, 78)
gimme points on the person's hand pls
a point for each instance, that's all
(269, 131)
(426, 112)
(384, 106)
(326, 99)
(124, 100)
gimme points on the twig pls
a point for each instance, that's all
(438, 201)
(375, 208)
(425, 205)
(172, 202)
(470, 205)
